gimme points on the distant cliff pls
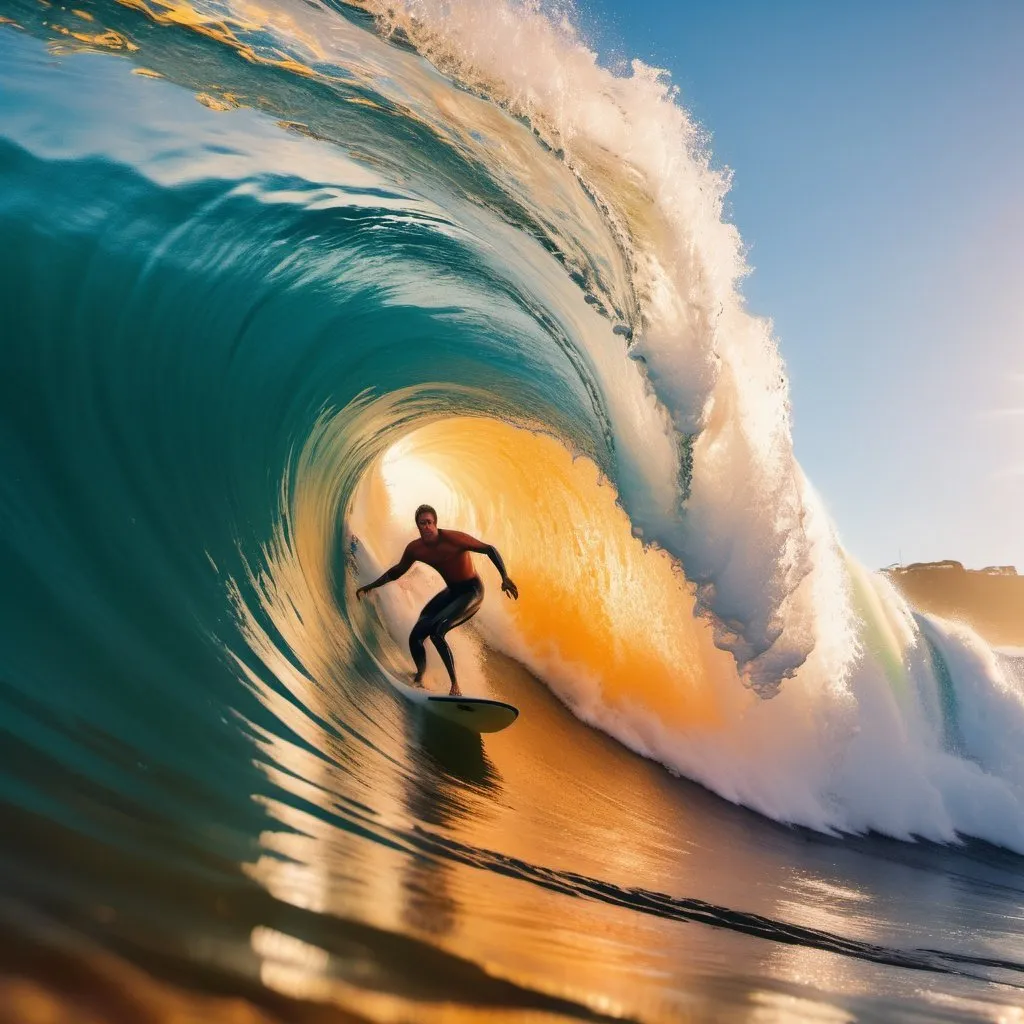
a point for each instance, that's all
(991, 600)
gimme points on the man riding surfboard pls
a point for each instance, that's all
(448, 552)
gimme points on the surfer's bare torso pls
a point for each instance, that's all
(449, 555)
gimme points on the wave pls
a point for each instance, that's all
(438, 253)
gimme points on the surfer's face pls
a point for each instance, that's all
(427, 526)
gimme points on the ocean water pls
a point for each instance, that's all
(271, 276)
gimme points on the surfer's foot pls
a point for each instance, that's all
(416, 680)
(455, 691)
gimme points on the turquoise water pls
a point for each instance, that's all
(217, 318)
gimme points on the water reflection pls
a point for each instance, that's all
(448, 764)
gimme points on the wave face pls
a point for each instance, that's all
(427, 254)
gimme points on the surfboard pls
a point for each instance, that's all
(480, 714)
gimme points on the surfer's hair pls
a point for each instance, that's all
(422, 509)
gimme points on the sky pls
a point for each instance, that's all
(877, 153)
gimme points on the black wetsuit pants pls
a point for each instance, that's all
(452, 607)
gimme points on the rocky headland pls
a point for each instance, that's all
(990, 600)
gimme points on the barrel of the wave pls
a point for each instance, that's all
(601, 620)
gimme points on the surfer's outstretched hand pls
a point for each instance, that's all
(510, 589)
(360, 592)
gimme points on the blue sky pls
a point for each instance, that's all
(878, 159)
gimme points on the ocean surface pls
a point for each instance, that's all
(273, 274)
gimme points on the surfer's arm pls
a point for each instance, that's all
(396, 571)
(480, 548)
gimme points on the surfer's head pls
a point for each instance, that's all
(426, 522)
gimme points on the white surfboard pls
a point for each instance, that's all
(477, 713)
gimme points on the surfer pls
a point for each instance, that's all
(448, 552)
